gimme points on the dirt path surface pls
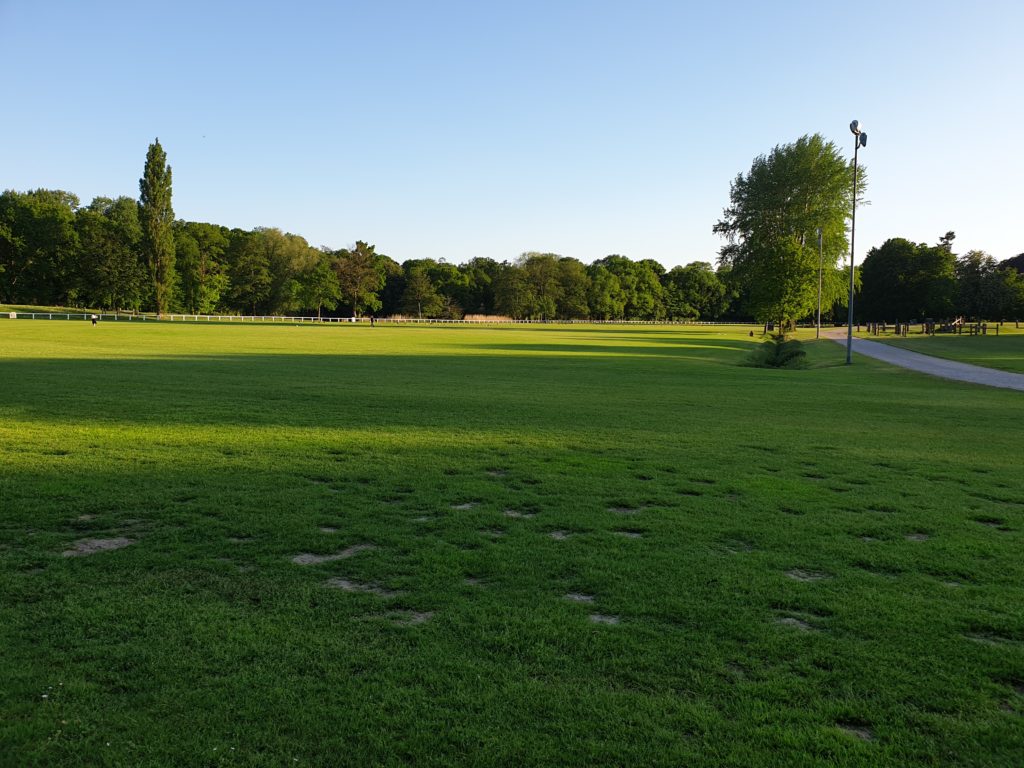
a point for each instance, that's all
(934, 366)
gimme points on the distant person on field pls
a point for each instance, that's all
(94, 319)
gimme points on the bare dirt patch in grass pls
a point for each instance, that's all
(464, 506)
(355, 586)
(798, 574)
(887, 509)
(327, 529)
(630, 533)
(989, 637)
(560, 535)
(517, 514)
(993, 522)
(856, 730)
(802, 620)
(793, 621)
(737, 546)
(735, 671)
(410, 618)
(307, 558)
(497, 472)
(917, 536)
(579, 597)
(84, 547)
(625, 509)
(602, 618)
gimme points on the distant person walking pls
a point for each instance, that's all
(94, 319)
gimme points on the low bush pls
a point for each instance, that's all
(778, 353)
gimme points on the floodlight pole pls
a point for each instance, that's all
(817, 332)
(859, 140)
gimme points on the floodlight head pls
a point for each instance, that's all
(855, 128)
(863, 139)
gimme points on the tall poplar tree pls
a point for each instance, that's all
(157, 217)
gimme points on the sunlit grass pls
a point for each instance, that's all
(804, 567)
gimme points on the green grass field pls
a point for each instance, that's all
(1005, 351)
(554, 545)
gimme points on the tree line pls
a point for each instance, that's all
(906, 281)
(54, 251)
(126, 254)
(123, 254)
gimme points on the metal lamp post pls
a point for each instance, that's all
(817, 332)
(860, 139)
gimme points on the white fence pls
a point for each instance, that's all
(178, 317)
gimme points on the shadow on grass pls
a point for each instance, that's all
(331, 390)
(669, 348)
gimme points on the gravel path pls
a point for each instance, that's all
(934, 366)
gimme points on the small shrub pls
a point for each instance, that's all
(778, 353)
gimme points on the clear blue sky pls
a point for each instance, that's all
(458, 129)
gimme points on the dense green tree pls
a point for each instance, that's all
(199, 259)
(157, 219)
(573, 301)
(693, 291)
(390, 295)
(981, 288)
(361, 276)
(452, 285)
(421, 297)
(110, 265)
(906, 281)
(770, 227)
(288, 257)
(1015, 262)
(542, 274)
(640, 285)
(319, 286)
(478, 294)
(605, 296)
(38, 246)
(248, 272)
(513, 294)
(1013, 293)
(735, 300)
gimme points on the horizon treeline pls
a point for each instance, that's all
(53, 251)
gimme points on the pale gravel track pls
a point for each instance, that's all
(933, 366)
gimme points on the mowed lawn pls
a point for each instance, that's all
(555, 545)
